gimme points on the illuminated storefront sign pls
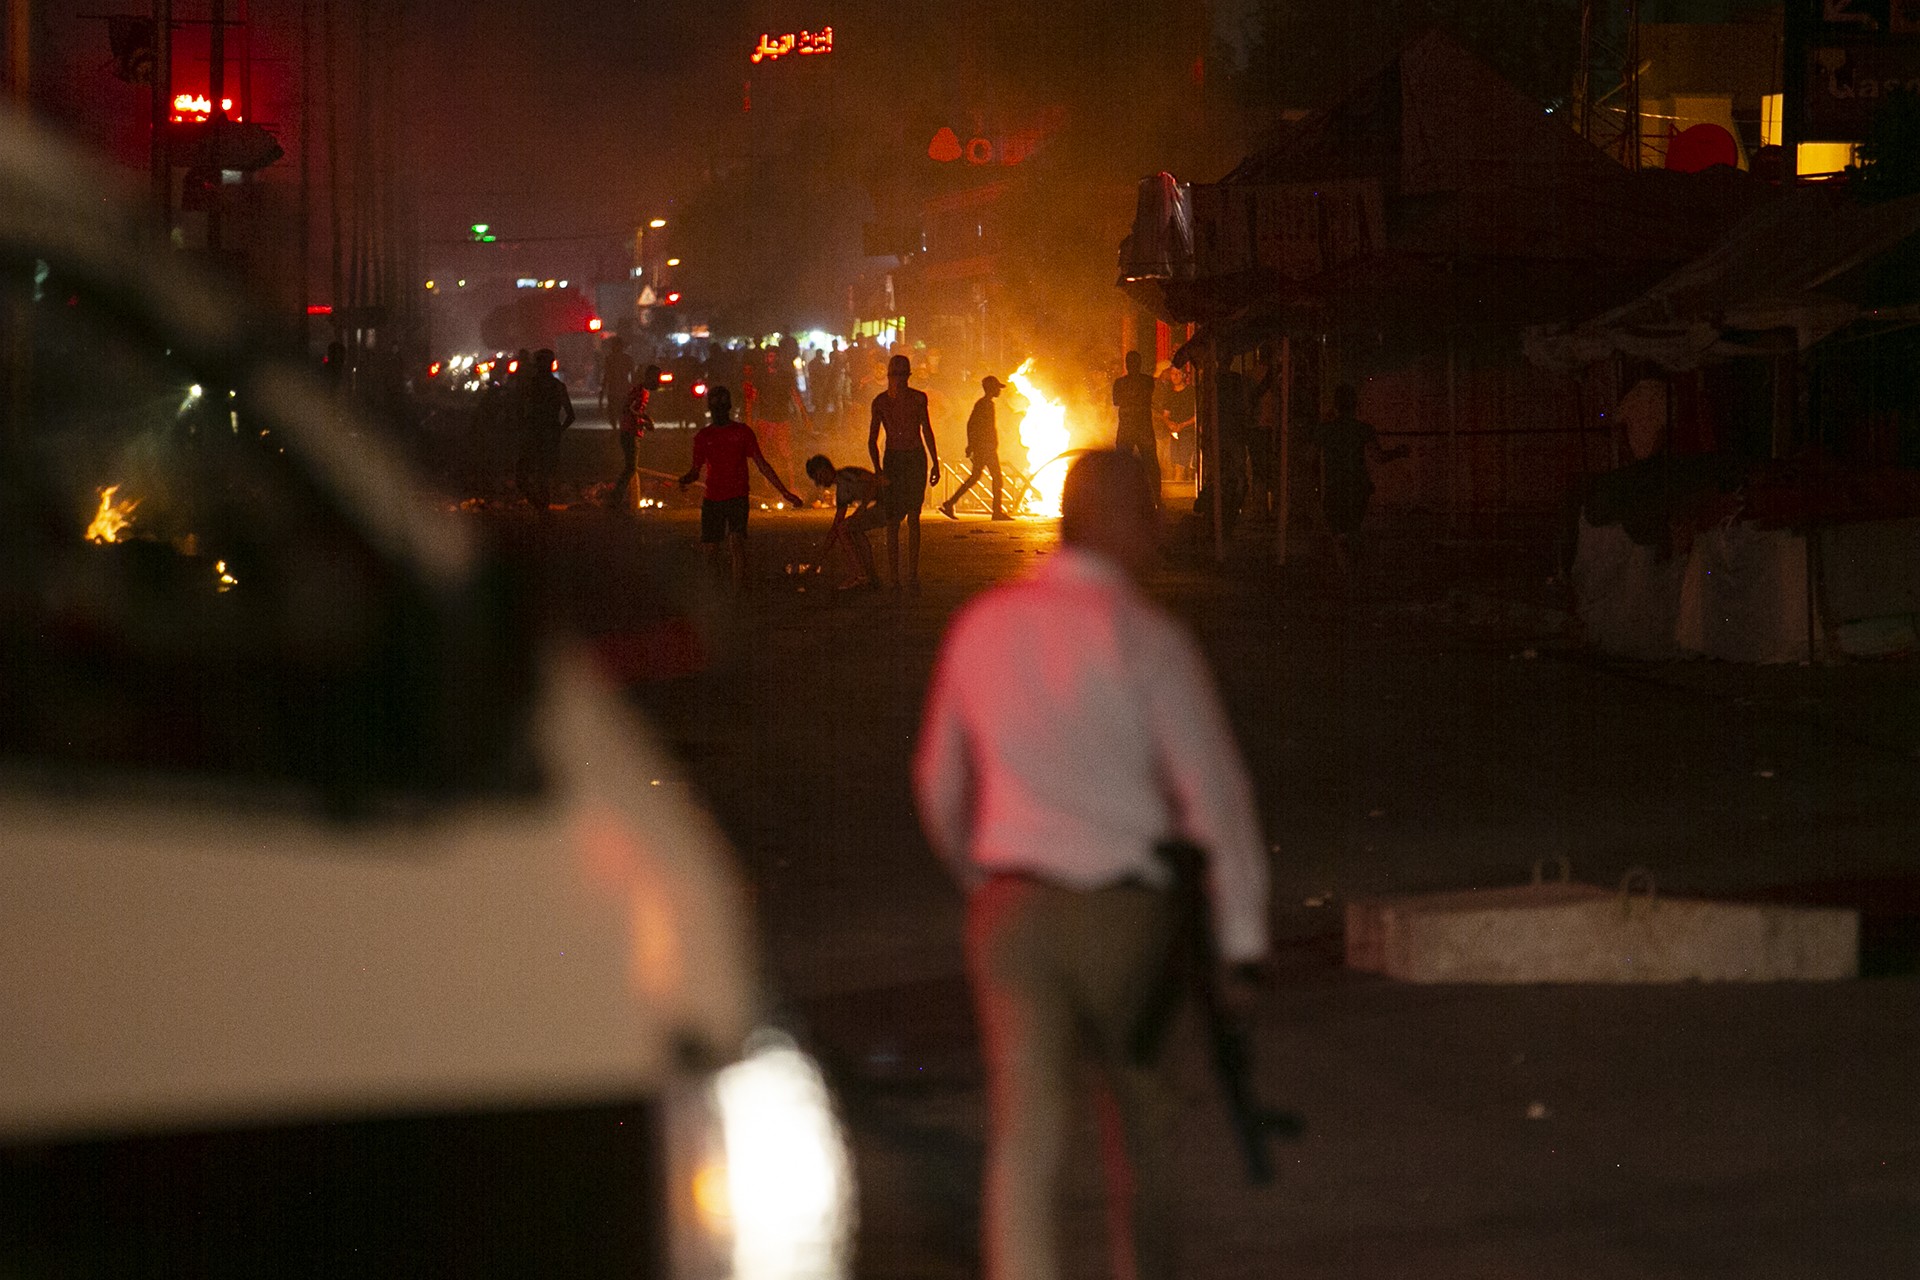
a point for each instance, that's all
(190, 107)
(772, 48)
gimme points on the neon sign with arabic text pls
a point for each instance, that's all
(772, 48)
(197, 107)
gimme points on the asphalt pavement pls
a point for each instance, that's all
(1397, 742)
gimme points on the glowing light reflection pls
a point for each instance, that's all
(789, 1180)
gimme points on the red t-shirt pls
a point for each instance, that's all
(724, 450)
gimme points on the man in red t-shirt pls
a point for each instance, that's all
(723, 449)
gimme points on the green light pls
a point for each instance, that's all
(479, 228)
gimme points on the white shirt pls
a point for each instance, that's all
(1073, 725)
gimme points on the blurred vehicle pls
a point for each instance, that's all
(349, 925)
(682, 398)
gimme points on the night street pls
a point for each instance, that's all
(1386, 746)
(1396, 744)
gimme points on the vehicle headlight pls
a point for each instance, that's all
(761, 1184)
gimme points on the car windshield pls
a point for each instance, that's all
(180, 594)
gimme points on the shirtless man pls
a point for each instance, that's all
(912, 463)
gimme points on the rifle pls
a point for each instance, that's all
(1195, 964)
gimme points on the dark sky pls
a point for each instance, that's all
(563, 116)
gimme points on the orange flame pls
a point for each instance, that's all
(1044, 435)
(112, 518)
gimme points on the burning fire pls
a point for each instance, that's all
(112, 518)
(1043, 433)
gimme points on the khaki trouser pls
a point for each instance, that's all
(1056, 972)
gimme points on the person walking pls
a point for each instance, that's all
(1071, 728)
(1133, 403)
(983, 447)
(912, 463)
(723, 449)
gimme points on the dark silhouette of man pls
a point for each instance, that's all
(1347, 447)
(780, 404)
(1178, 405)
(819, 383)
(633, 418)
(983, 447)
(616, 379)
(912, 462)
(856, 509)
(1133, 403)
(546, 411)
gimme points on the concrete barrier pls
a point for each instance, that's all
(1560, 931)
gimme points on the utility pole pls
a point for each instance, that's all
(216, 115)
(1630, 137)
(1583, 75)
(20, 51)
(162, 110)
(16, 314)
(1793, 88)
(306, 172)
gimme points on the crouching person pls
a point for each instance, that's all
(857, 511)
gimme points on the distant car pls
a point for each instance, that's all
(348, 924)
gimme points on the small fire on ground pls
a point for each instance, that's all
(1044, 435)
(112, 518)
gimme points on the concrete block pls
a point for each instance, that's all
(1568, 932)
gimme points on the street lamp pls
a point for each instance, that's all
(657, 223)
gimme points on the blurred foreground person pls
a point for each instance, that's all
(912, 463)
(1072, 727)
(983, 447)
(723, 449)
